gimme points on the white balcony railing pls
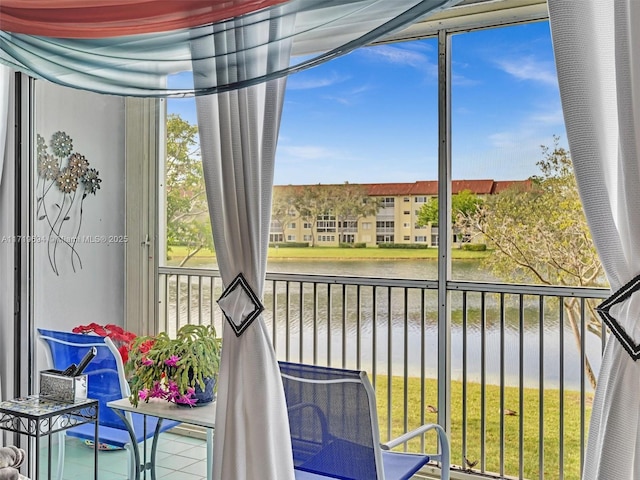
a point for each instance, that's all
(520, 395)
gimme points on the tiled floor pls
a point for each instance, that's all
(178, 457)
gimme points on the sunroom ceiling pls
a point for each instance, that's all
(473, 14)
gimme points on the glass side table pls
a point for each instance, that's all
(37, 417)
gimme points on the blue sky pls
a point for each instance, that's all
(371, 116)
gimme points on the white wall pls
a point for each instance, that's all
(95, 291)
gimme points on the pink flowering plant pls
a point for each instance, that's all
(172, 368)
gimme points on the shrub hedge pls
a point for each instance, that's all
(289, 245)
(406, 246)
(475, 247)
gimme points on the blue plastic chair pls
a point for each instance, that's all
(334, 428)
(106, 382)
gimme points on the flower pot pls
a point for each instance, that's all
(205, 396)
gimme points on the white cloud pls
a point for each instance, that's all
(414, 57)
(349, 97)
(553, 117)
(529, 68)
(505, 139)
(307, 152)
(307, 81)
(398, 55)
(531, 128)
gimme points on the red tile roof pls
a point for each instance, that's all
(430, 187)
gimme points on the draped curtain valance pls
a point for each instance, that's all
(139, 62)
(110, 18)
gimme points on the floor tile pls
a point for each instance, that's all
(185, 460)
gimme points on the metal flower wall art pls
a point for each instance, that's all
(64, 182)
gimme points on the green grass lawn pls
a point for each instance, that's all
(512, 434)
(178, 252)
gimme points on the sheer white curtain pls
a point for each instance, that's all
(4, 106)
(238, 134)
(597, 48)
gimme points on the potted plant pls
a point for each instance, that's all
(182, 370)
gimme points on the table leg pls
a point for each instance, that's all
(134, 444)
(209, 453)
(144, 445)
(154, 446)
(37, 455)
(48, 454)
(96, 445)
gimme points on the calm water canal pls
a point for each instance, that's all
(393, 333)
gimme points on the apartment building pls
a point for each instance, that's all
(395, 222)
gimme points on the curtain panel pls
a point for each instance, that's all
(597, 49)
(5, 73)
(238, 135)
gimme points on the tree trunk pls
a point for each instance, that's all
(189, 256)
(573, 321)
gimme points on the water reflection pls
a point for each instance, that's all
(352, 325)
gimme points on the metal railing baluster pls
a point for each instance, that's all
(408, 308)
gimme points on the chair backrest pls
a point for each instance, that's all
(333, 421)
(105, 374)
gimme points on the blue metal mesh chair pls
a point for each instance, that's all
(334, 428)
(106, 382)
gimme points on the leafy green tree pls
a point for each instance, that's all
(540, 235)
(283, 205)
(349, 203)
(463, 203)
(311, 201)
(188, 222)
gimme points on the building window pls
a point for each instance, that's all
(384, 238)
(326, 223)
(434, 239)
(276, 238)
(366, 225)
(385, 226)
(306, 225)
(420, 238)
(348, 226)
(407, 238)
(407, 212)
(291, 238)
(461, 238)
(387, 202)
(326, 238)
(420, 199)
(307, 238)
(406, 225)
(406, 199)
(292, 225)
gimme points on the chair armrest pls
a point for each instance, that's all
(443, 440)
(414, 433)
(320, 414)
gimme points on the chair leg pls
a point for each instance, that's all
(61, 446)
(131, 464)
(445, 454)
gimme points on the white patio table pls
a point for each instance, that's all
(203, 416)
